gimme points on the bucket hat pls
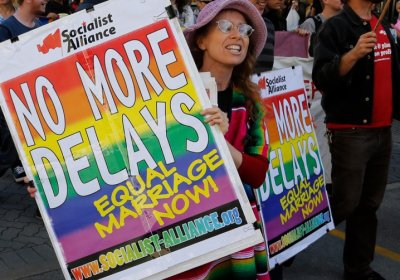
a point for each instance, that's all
(245, 7)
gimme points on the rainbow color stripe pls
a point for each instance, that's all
(73, 221)
(272, 208)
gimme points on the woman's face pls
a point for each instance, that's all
(224, 49)
(398, 6)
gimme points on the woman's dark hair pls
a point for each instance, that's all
(240, 75)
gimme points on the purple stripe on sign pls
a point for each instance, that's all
(87, 241)
(274, 228)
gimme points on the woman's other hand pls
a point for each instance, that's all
(214, 115)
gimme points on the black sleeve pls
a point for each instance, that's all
(328, 51)
(8, 153)
(5, 33)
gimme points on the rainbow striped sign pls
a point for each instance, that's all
(294, 203)
(106, 118)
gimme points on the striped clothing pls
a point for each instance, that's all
(247, 264)
(248, 137)
(250, 263)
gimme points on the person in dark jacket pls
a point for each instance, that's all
(23, 20)
(265, 60)
(274, 11)
(357, 71)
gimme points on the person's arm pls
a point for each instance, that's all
(5, 33)
(330, 45)
(214, 115)
(365, 45)
(8, 153)
(254, 164)
(236, 155)
(253, 170)
(302, 32)
(308, 25)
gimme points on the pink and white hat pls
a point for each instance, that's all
(245, 7)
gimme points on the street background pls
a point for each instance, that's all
(26, 251)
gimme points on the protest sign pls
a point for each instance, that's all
(294, 204)
(104, 107)
(291, 49)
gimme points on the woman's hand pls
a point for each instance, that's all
(214, 116)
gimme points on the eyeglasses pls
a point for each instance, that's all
(226, 26)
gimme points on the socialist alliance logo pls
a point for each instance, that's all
(87, 33)
(50, 42)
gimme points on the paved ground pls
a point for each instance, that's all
(322, 260)
(25, 248)
(26, 252)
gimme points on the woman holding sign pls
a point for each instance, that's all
(225, 41)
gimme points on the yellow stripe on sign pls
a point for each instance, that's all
(378, 249)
